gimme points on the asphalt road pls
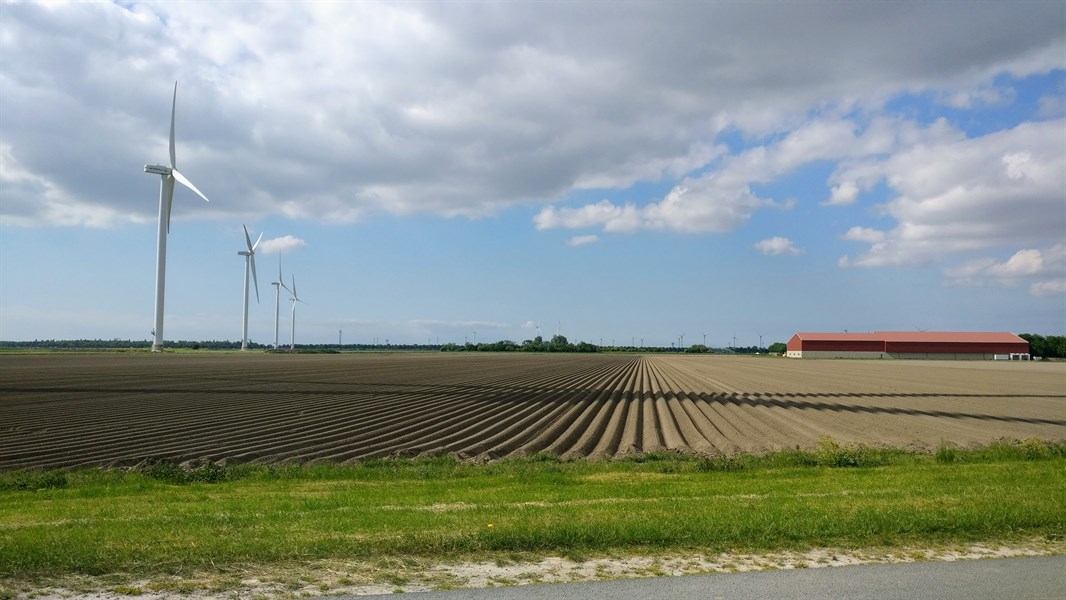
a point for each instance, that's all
(991, 579)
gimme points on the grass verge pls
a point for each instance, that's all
(165, 520)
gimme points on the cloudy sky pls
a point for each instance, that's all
(613, 171)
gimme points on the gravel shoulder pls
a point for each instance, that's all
(395, 575)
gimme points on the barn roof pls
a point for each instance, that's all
(997, 337)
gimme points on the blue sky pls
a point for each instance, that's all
(619, 172)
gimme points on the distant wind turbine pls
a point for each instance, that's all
(249, 265)
(278, 285)
(168, 174)
(295, 298)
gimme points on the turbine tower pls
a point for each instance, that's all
(249, 265)
(278, 285)
(295, 298)
(167, 174)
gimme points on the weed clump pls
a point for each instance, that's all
(948, 453)
(205, 472)
(1003, 449)
(727, 463)
(28, 481)
(830, 453)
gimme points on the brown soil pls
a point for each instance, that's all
(122, 409)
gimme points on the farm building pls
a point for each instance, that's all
(907, 344)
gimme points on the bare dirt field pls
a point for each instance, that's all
(121, 409)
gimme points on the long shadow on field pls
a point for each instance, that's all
(761, 400)
(551, 394)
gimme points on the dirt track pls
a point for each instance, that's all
(120, 409)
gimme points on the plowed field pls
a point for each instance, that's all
(121, 409)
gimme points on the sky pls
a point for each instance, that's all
(476, 171)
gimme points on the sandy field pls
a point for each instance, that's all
(119, 409)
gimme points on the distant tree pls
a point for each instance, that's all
(777, 348)
(1052, 346)
(1056, 346)
(697, 349)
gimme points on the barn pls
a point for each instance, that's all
(907, 344)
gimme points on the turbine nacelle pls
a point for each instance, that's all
(249, 267)
(169, 175)
(250, 255)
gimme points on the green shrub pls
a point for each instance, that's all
(29, 481)
(946, 453)
(206, 472)
(710, 464)
(164, 471)
(1035, 449)
(829, 453)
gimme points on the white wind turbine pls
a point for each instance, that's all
(295, 298)
(249, 265)
(168, 175)
(278, 285)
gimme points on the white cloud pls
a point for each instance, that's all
(602, 214)
(778, 245)
(966, 195)
(1047, 267)
(281, 244)
(721, 199)
(1025, 262)
(1016, 164)
(694, 206)
(864, 234)
(581, 240)
(334, 112)
(29, 198)
(845, 193)
(1048, 288)
(979, 96)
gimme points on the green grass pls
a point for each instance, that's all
(166, 520)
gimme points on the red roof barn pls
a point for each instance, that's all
(906, 344)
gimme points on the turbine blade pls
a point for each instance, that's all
(281, 280)
(185, 182)
(247, 238)
(173, 108)
(293, 290)
(254, 278)
(256, 245)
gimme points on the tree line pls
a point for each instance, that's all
(1052, 346)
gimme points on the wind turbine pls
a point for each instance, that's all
(278, 285)
(249, 265)
(295, 298)
(167, 174)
